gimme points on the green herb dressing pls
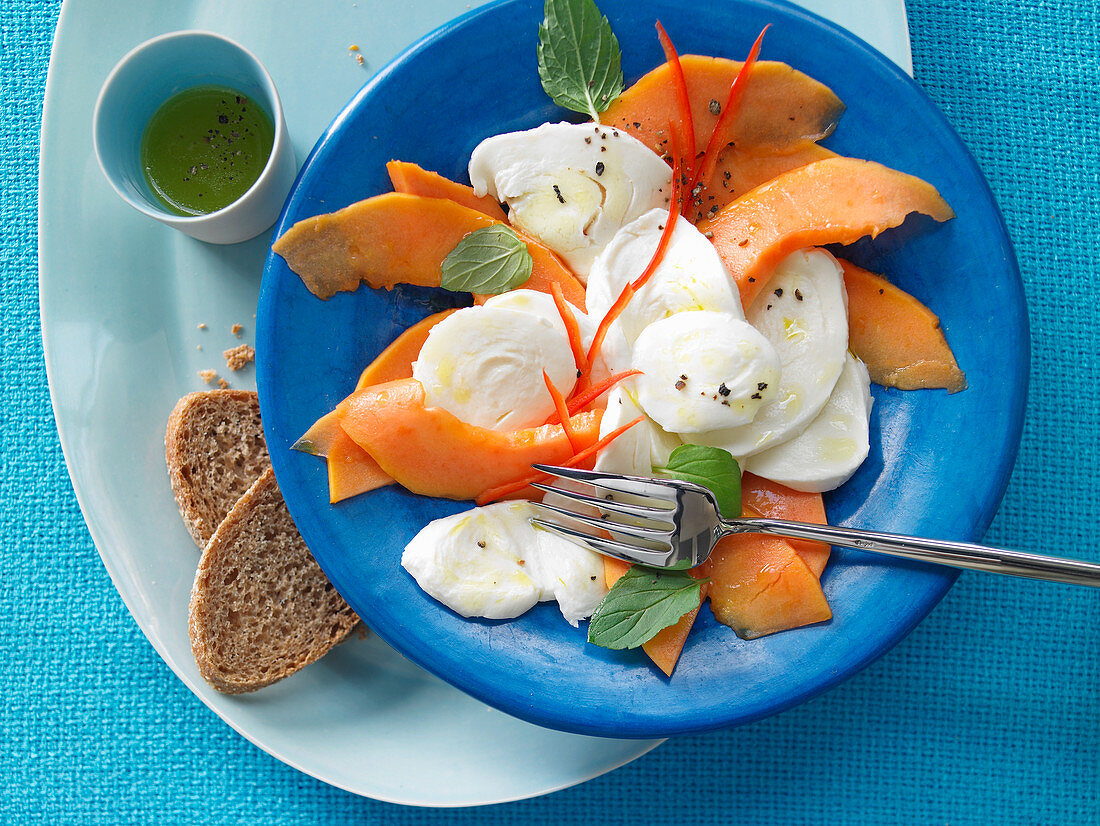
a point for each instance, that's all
(204, 147)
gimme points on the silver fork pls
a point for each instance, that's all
(665, 522)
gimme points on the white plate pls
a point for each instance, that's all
(121, 299)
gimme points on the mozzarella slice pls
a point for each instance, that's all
(471, 562)
(804, 314)
(571, 185)
(542, 306)
(641, 448)
(835, 444)
(690, 276)
(703, 371)
(491, 562)
(484, 365)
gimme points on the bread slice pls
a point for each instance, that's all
(215, 450)
(261, 607)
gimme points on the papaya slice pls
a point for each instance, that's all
(351, 470)
(831, 201)
(760, 585)
(781, 106)
(897, 337)
(398, 238)
(430, 451)
(414, 180)
(396, 361)
(776, 501)
(665, 647)
(740, 170)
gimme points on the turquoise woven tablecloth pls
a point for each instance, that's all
(988, 713)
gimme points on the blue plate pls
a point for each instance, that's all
(939, 463)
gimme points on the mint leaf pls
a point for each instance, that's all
(488, 261)
(711, 467)
(580, 65)
(642, 602)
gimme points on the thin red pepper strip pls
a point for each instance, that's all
(572, 328)
(582, 400)
(500, 491)
(674, 204)
(563, 412)
(717, 137)
(686, 123)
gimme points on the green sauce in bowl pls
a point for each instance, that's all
(204, 147)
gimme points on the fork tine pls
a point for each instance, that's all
(662, 535)
(613, 482)
(608, 505)
(619, 550)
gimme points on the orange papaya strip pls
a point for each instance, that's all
(395, 362)
(760, 585)
(430, 451)
(832, 201)
(897, 337)
(776, 501)
(398, 238)
(781, 107)
(738, 171)
(413, 179)
(351, 470)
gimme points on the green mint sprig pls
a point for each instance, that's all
(580, 64)
(711, 467)
(642, 602)
(488, 261)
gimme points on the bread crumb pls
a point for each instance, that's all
(236, 330)
(238, 357)
(208, 375)
(198, 346)
(223, 384)
(359, 59)
(202, 326)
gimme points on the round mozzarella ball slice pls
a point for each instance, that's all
(471, 563)
(566, 572)
(570, 185)
(641, 448)
(703, 371)
(829, 451)
(690, 276)
(542, 305)
(803, 312)
(485, 366)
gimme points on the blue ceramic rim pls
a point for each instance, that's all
(936, 583)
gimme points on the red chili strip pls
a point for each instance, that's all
(563, 412)
(685, 122)
(572, 328)
(500, 491)
(585, 398)
(718, 137)
(674, 205)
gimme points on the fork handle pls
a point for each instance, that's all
(958, 554)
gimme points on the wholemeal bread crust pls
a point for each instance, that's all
(261, 607)
(214, 448)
